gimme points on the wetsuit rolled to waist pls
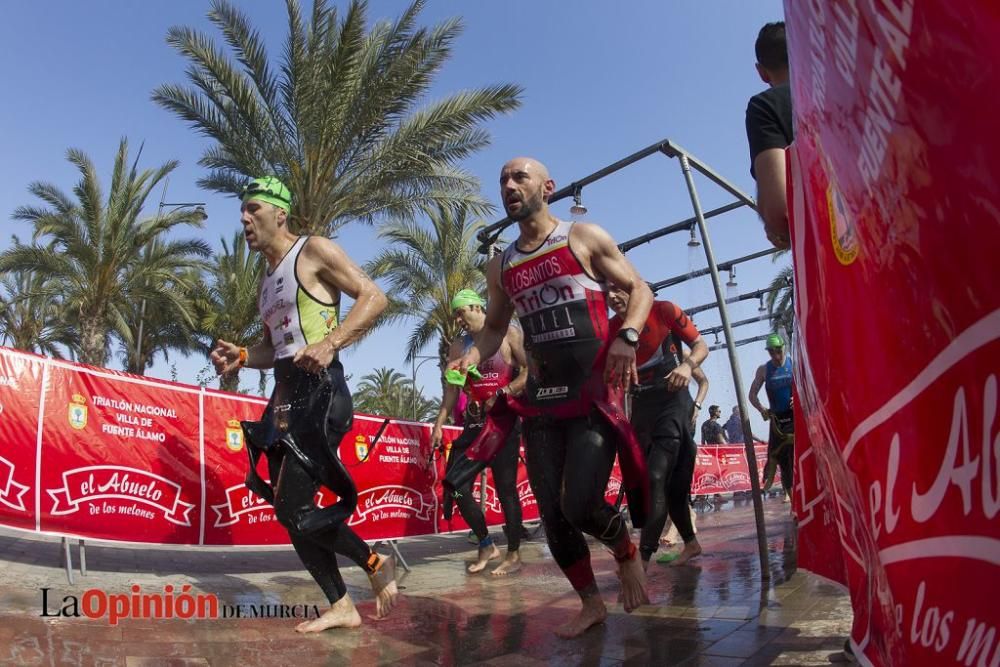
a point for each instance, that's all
(654, 400)
(594, 400)
(783, 423)
(307, 417)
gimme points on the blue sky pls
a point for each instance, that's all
(601, 81)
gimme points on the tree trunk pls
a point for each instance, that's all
(93, 341)
(230, 382)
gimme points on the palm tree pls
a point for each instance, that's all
(425, 267)
(29, 320)
(389, 393)
(160, 324)
(336, 120)
(93, 256)
(227, 304)
(780, 301)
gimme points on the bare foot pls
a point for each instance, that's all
(342, 614)
(633, 579)
(510, 564)
(691, 550)
(593, 613)
(383, 583)
(485, 556)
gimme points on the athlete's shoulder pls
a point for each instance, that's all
(319, 245)
(666, 309)
(588, 231)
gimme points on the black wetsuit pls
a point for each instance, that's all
(495, 374)
(504, 467)
(571, 451)
(300, 433)
(662, 422)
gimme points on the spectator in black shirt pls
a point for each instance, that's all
(711, 431)
(769, 132)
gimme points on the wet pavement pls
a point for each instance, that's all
(712, 612)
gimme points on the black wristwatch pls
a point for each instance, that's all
(630, 336)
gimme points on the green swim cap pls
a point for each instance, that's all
(466, 297)
(773, 341)
(268, 189)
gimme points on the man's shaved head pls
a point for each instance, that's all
(525, 187)
(528, 164)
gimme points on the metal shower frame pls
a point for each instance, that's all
(488, 237)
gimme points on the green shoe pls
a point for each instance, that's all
(667, 558)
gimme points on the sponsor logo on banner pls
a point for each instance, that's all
(234, 435)
(843, 230)
(361, 448)
(706, 482)
(11, 493)
(724, 469)
(239, 501)
(391, 502)
(492, 499)
(120, 483)
(525, 495)
(77, 411)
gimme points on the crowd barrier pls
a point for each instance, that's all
(98, 454)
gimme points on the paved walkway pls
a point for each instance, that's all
(713, 612)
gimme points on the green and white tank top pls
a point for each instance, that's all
(293, 317)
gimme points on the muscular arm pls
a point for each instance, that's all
(698, 354)
(772, 204)
(702, 381)
(681, 324)
(607, 261)
(515, 337)
(758, 382)
(338, 271)
(598, 250)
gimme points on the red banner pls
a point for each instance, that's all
(106, 455)
(395, 479)
(233, 514)
(21, 379)
(119, 457)
(724, 469)
(894, 201)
